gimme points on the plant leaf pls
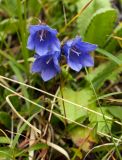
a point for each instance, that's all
(112, 44)
(105, 71)
(5, 152)
(101, 26)
(4, 140)
(94, 119)
(109, 55)
(85, 18)
(81, 97)
(116, 111)
(5, 119)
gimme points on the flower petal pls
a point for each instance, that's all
(47, 66)
(83, 46)
(76, 52)
(41, 48)
(30, 43)
(35, 28)
(48, 73)
(54, 42)
(76, 41)
(50, 44)
(87, 60)
(43, 39)
(74, 61)
(56, 64)
(66, 47)
(88, 47)
(38, 65)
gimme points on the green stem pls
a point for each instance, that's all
(61, 90)
(23, 33)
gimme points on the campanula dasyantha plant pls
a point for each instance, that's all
(43, 40)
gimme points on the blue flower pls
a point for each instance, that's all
(77, 53)
(47, 65)
(43, 39)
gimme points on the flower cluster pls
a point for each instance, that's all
(47, 46)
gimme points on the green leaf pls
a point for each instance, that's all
(5, 119)
(84, 98)
(32, 10)
(81, 97)
(4, 140)
(20, 78)
(109, 55)
(5, 152)
(112, 44)
(105, 71)
(38, 147)
(10, 7)
(9, 25)
(12, 59)
(101, 26)
(10, 153)
(85, 18)
(102, 123)
(116, 111)
(77, 153)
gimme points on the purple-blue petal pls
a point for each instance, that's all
(51, 43)
(51, 69)
(48, 73)
(43, 39)
(88, 47)
(56, 64)
(41, 48)
(54, 42)
(83, 46)
(76, 41)
(35, 28)
(37, 65)
(87, 60)
(74, 61)
(66, 47)
(47, 66)
(30, 43)
(77, 53)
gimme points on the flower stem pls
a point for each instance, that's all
(61, 90)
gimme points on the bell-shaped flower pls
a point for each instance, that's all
(47, 65)
(43, 39)
(77, 53)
